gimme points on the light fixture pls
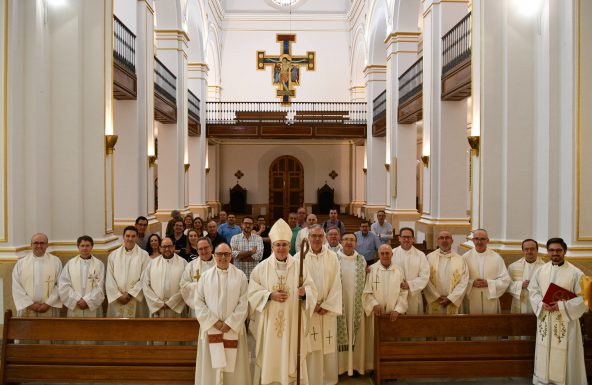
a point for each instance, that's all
(186, 166)
(151, 160)
(285, 3)
(387, 166)
(425, 159)
(528, 8)
(474, 142)
(110, 141)
(207, 170)
(365, 170)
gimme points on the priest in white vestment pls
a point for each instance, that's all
(35, 281)
(82, 282)
(324, 268)
(449, 277)
(415, 267)
(161, 282)
(194, 270)
(488, 276)
(333, 239)
(221, 307)
(521, 272)
(311, 220)
(382, 292)
(354, 328)
(122, 283)
(274, 300)
(559, 353)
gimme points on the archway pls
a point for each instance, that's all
(286, 186)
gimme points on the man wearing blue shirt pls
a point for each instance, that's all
(368, 242)
(229, 229)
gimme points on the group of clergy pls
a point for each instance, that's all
(333, 298)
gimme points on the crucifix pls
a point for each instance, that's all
(376, 281)
(94, 278)
(49, 284)
(281, 285)
(196, 276)
(286, 67)
(329, 337)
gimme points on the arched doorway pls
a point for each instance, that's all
(286, 186)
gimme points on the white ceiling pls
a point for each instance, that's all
(302, 6)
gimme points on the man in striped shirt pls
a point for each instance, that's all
(247, 248)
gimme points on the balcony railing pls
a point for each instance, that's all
(164, 81)
(193, 103)
(411, 81)
(456, 44)
(295, 113)
(124, 45)
(379, 105)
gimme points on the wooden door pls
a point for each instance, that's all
(286, 187)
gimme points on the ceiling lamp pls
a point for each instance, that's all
(285, 3)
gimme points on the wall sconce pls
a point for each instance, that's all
(425, 159)
(387, 166)
(110, 141)
(151, 160)
(474, 142)
(365, 170)
(207, 170)
(186, 166)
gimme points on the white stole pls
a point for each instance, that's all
(221, 294)
(89, 270)
(455, 270)
(38, 281)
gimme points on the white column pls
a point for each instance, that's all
(59, 176)
(375, 76)
(213, 178)
(444, 132)
(401, 138)
(172, 138)
(197, 79)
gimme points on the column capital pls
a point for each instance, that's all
(172, 39)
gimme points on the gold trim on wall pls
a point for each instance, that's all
(5, 123)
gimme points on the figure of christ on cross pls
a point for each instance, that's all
(286, 71)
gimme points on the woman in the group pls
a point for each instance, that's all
(153, 246)
(199, 227)
(188, 223)
(189, 252)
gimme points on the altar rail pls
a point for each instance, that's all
(228, 113)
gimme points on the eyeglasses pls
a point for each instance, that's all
(223, 254)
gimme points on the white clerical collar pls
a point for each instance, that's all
(219, 270)
(445, 253)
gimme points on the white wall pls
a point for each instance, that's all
(254, 159)
(242, 81)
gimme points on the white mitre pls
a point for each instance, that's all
(280, 231)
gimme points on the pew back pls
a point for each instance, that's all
(114, 350)
(402, 351)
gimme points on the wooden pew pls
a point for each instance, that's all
(260, 115)
(333, 116)
(118, 352)
(396, 358)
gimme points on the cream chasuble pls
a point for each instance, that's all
(193, 271)
(124, 270)
(83, 279)
(324, 269)
(416, 272)
(490, 266)
(221, 295)
(559, 354)
(521, 271)
(449, 277)
(35, 280)
(353, 326)
(274, 324)
(160, 283)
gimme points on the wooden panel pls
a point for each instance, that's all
(125, 83)
(194, 128)
(294, 131)
(260, 115)
(411, 111)
(104, 374)
(464, 369)
(94, 329)
(340, 132)
(165, 111)
(286, 131)
(456, 84)
(457, 350)
(232, 131)
(379, 126)
(101, 354)
(458, 326)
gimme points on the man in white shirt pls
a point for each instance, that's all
(35, 281)
(333, 238)
(82, 282)
(194, 270)
(521, 272)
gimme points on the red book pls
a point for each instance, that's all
(557, 293)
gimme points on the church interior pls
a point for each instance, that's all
(447, 114)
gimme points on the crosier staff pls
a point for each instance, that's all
(304, 248)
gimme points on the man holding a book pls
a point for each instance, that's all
(557, 302)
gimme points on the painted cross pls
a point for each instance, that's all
(329, 337)
(314, 333)
(376, 282)
(196, 276)
(286, 67)
(49, 284)
(94, 279)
